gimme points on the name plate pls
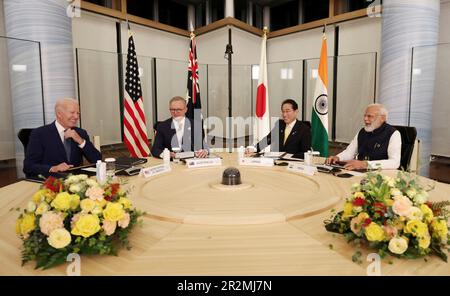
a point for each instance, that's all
(259, 161)
(155, 170)
(302, 169)
(203, 162)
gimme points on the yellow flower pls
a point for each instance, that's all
(358, 194)
(87, 205)
(348, 210)
(374, 232)
(62, 201)
(398, 245)
(439, 229)
(389, 202)
(74, 201)
(49, 196)
(427, 213)
(424, 241)
(87, 225)
(42, 208)
(59, 238)
(126, 203)
(101, 203)
(26, 224)
(40, 195)
(113, 212)
(416, 228)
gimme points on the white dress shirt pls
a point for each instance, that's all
(179, 128)
(394, 153)
(61, 130)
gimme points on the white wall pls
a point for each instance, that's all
(301, 45)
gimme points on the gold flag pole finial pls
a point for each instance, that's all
(265, 30)
(192, 34)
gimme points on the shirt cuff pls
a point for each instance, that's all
(82, 144)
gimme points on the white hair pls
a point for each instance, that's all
(381, 109)
(61, 103)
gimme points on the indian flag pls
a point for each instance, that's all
(262, 120)
(319, 117)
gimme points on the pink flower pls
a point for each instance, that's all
(95, 193)
(75, 218)
(109, 227)
(402, 205)
(51, 221)
(390, 231)
(124, 221)
(355, 225)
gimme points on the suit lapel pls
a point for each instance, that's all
(293, 132)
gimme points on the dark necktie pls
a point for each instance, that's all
(67, 146)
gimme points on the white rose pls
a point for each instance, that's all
(59, 238)
(421, 197)
(411, 192)
(74, 188)
(395, 192)
(398, 245)
(42, 208)
(31, 207)
(91, 183)
(390, 181)
(82, 177)
(415, 214)
(97, 210)
(70, 180)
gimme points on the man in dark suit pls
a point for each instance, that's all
(179, 132)
(59, 146)
(289, 134)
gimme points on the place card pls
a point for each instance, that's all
(184, 155)
(155, 170)
(302, 169)
(256, 161)
(203, 162)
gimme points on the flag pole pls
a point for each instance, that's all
(228, 53)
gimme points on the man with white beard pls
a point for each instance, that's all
(377, 144)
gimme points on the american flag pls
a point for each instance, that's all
(135, 130)
(193, 90)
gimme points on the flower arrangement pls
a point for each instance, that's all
(75, 215)
(393, 216)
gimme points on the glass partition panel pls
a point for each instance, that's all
(355, 90)
(21, 98)
(99, 97)
(285, 81)
(430, 101)
(312, 66)
(171, 81)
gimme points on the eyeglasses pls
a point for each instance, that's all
(176, 110)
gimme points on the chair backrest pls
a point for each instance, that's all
(308, 123)
(409, 135)
(24, 137)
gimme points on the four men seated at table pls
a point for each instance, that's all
(376, 145)
(289, 134)
(59, 146)
(179, 132)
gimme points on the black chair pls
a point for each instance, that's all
(308, 123)
(409, 135)
(24, 137)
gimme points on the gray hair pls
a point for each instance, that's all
(381, 109)
(177, 99)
